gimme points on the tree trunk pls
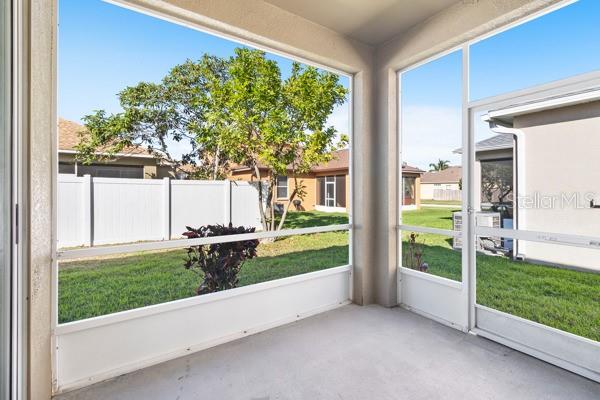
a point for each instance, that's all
(272, 185)
(263, 217)
(215, 172)
(289, 204)
(284, 215)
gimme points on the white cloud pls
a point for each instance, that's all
(430, 134)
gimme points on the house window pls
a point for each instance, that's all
(282, 187)
(66, 168)
(111, 171)
(331, 191)
(496, 181)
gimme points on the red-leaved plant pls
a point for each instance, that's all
(219, 263)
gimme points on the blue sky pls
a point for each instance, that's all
(557, 45)
(103, 48)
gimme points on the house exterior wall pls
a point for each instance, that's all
(151, 170)
(309, 181)
(561, 156)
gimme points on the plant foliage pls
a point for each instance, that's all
(440, 165)
(237, 110)
(413, 256)
(219, 263)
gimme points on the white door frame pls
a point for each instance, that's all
(572, 352)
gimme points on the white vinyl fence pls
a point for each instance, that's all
(97, 211)
(447, 194)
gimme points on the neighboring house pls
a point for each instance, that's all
(411, 187)
(550, 150)
(327, 185)
(132, 162)
(441, 185)
(494, 157)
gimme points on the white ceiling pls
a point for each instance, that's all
(369, 21)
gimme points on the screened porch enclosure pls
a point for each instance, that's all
(276, 240)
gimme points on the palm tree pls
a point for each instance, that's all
(440, 165)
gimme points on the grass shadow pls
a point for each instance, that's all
(309, 219)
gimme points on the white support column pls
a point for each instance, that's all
(227, 202)
(87, 207)
(166, 208)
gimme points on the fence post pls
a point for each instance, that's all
(227, 195)
(87, 206)
(166, 208)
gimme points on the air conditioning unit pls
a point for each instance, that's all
(482, 218)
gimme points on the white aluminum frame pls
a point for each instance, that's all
(469, 109)
(429, 283)
(87, 252)
(20, 276)
(343, 273)
(172, 244)
(555, 346)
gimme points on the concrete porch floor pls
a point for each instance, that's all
(351, 353)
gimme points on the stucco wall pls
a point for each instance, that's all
(307, 181)
(39, 137)
(561, 157)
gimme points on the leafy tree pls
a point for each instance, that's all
(156, 114)
(440, 165)
(236, 110)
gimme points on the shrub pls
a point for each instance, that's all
(219, 263)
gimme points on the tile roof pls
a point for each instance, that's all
(500, 141)
(340, 161)
(496, 142)
(451, 174)
(68, 138)
(411, 170)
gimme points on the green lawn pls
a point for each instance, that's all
(561, 298)
(564, 299)
(106, 285)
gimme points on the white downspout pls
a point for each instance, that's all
(519, 220)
